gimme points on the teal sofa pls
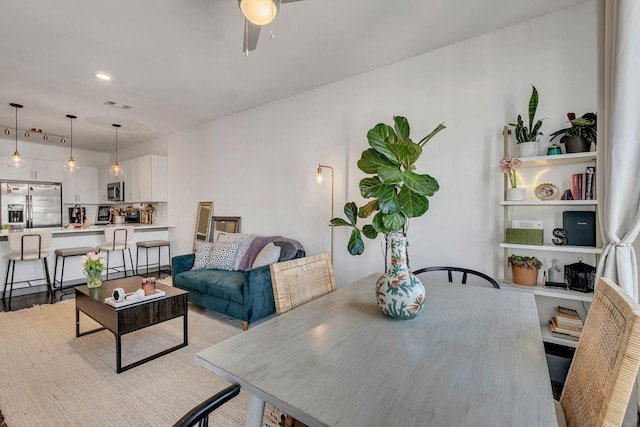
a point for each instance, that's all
(245, 295)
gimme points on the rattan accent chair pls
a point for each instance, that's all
(605, 365)
(300, 280)
(200, 414)
(465, 272)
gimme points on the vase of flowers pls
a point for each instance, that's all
(508, 166)
(93, 267)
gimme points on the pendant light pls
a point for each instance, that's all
(116, 170)
(71, 166)
(16, 161)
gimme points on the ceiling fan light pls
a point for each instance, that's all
(16, 161)
(259, 12)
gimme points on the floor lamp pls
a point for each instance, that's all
(320, 167)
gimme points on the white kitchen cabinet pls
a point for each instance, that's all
(81, 187)
(35, 170)
(104, 178)
(146, 179)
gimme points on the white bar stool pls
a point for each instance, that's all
(64, 253)
(29, 246)
(146, 245)
(117, 239)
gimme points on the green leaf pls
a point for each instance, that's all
(373, 187)
(433, 133)
(390, 174)
(366, 210)
(351, 211)
(414, 153)
(369, 231)
(533, 105)
(393, 222)
(420, 184)
(337, 222)
(401, 126)
(355, 245)
(413, 205)
(389, 203)
(400, 152)
(371, 161)
(378, 136)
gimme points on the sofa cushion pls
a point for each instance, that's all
(219, 283)
(223, 255)
(257, 244)
(203, 249)
(268, 255)
(243, 239)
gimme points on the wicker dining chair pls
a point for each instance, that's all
(464, 271)
(295, 283)
(605, 365)
(300, 280)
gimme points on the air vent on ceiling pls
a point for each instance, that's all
(118, 105)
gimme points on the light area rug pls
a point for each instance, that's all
(48, 377)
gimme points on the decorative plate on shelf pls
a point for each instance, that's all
(546, 191)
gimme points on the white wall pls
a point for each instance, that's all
(261, 164)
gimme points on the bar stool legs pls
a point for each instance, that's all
(149, 244)
(64, 254)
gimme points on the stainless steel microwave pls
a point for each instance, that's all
(115, 191)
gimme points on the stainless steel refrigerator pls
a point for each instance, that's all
(30, 205)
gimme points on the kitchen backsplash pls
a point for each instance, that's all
(159, 214)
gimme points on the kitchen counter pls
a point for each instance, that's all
(92, 229)
(76, 237)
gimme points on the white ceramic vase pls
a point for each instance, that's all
(399, 293)
(515, 194)
(528, 149)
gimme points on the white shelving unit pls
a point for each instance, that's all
(546, 296)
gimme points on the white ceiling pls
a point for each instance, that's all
(179, 63)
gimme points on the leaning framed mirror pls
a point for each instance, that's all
(203, 222)
(224, 224)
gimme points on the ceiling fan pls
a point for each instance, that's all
(257, 13)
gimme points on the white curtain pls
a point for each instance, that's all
(618, 171)
(618, 174)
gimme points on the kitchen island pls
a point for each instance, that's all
(67, 237)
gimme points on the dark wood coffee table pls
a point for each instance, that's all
(133, 317)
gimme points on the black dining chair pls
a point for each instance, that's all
(465, 272)
(200, 414)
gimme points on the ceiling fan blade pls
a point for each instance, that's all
(251, 34)
(288, 1)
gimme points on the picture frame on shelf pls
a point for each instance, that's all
(546, 191)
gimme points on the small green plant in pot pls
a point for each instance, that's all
(582, 133)
(524, 269)
(527, 136)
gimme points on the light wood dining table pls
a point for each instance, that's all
(473, 357)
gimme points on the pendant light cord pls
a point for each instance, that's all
(16, 128)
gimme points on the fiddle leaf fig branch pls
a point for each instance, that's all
(397, 191)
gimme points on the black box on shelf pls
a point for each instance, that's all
(580, 276)
(581, 227)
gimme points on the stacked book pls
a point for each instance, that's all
(583, 184)
(566, 324)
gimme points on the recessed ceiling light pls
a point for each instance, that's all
(102, 75)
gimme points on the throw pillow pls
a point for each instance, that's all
(243, 239)
(203, 249)
(268, 255)
(223, 255)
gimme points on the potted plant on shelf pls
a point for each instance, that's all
(397, 193)
(524, 269)
(508, 165)
(527, 136)
(578, 137)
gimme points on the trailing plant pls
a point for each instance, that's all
(528, 133)
(396, 190)
(585, 127)
(525, 261)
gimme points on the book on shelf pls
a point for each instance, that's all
(565, 336)
(532, 224)
(568, 330)
(576, 180)
(568, 317)
(590, 182)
